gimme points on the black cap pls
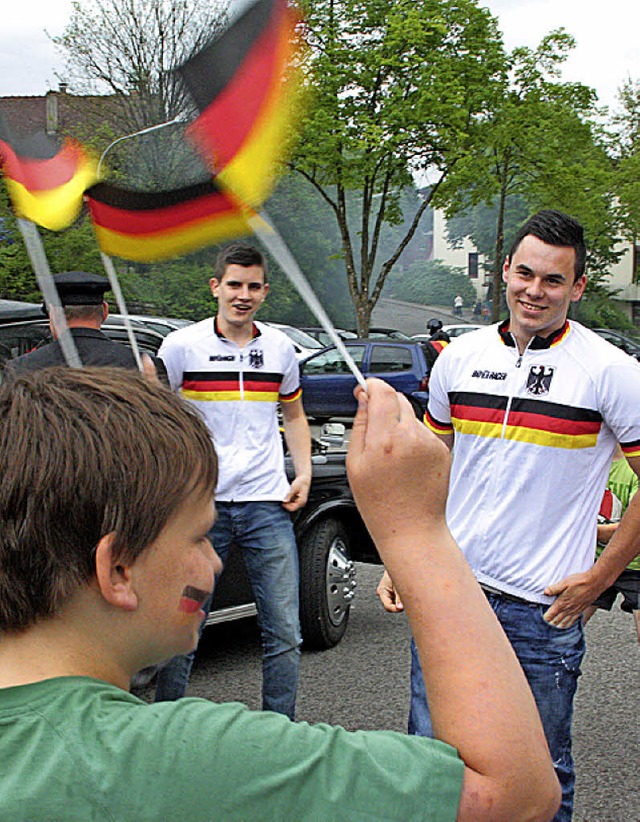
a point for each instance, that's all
(80, 288)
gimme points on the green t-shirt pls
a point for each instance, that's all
(78, 748)
(623, 482)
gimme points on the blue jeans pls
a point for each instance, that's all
(550, 658)
(264, 533)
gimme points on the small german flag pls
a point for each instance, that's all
(246, 106)
(45, 180)
(150, 226)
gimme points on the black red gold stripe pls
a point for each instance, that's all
(146, 226)
(228, 386)
(528, 420)
(45, 180)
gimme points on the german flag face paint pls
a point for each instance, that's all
(192, 600)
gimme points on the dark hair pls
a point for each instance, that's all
(83, 453)
(239, 254)
(555, 228)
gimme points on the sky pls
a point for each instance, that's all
(607, 50)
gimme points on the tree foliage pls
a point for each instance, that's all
(538, 147)
(395, 88)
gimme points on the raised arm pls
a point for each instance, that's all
(480, 701)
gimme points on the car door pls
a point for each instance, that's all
(327, 383)
(393, 364)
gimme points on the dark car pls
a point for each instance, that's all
(330, 536)
(618, 339)
(327, 382)
(21, 336)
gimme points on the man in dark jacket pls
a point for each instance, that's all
(82, 298)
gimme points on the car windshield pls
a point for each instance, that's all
(299, 337)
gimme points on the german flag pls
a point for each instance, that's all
(150, 226)
(246, 107)
(46, 181)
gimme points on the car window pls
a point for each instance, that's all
(20, 338)
(385, 358)
(331, 362)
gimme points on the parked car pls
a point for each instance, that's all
(620, 341)
(318, 333)
(163, 325)
(20, 336)
(463, 328)
(327, 383)
(303, 343)
(378, 332)
(330, 536)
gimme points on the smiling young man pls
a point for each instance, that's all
(534, 407)
(236, 372)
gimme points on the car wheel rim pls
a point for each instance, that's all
(341, 581)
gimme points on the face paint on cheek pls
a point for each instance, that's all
(192, 599)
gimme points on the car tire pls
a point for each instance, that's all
(327, 584)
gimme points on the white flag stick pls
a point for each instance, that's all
(109, 267)
(274, 243)
(35, 250)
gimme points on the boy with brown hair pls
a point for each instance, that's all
(106, 497)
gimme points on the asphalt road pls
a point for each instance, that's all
(363, 683)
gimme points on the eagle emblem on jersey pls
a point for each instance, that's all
(256, 358)
(539, 379)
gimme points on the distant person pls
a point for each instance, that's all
(458, 303)
(105, 566)
(621, 487)
(85, 310)
(436, 334)
(477, 310)
(237, 372)
(533, 409)
(436, 342)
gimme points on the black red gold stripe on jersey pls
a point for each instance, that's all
(528, 420)
(631, 449)
(435, 425)
(227, 386)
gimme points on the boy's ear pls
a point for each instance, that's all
(114, 577)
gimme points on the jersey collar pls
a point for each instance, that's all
(255, 331)
(537, 343)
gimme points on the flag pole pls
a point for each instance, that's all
(273, 242)
(40, 264)
(107, 262)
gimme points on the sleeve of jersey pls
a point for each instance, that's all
(621, 404)
(438, 414)
(172, 357)
(290, 388)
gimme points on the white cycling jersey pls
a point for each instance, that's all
(534, 438)
(237, 391)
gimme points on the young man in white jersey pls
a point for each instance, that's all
(533, 408)
(236, 372)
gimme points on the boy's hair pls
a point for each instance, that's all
(555, 228)
(239, 254)
(84, 453)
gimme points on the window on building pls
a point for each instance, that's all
(473, 265)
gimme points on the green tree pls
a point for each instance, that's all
(538, 147)
(396, 86)
(118, 57)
